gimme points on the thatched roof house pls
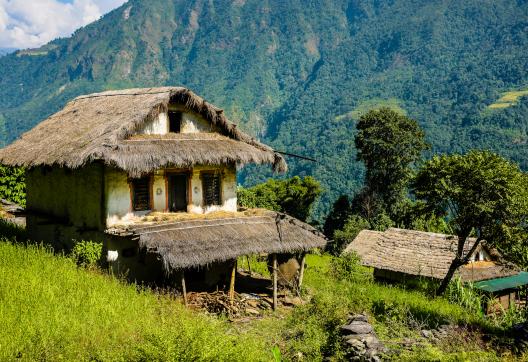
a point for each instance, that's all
(418, 253)
(100, 166)
(104, 127)
(398, 255)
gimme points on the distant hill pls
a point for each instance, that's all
(297, 74)
(4, 51)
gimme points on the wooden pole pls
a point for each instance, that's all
(301, 272)
(274, 281)
(184, 289)
(249, 264)
(232, 284)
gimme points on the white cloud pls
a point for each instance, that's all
(29, 24)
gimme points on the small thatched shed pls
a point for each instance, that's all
(398, 254)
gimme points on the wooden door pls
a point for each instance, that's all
(178, 192)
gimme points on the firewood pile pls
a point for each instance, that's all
(244, 304)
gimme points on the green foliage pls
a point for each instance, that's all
(87, 253)
(13, 184)
(294, 68)
(52, 310)
(293, 196)
(342, 238)
(479, 192)
(466, 295)
(338, 216)
(388, 143)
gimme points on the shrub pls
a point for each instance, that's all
(87, 253)
(13, 184)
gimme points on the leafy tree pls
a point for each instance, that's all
(13, 184)
(294, 196)
(480, 193)
(338, 216)
(344, 236)
(388, 144)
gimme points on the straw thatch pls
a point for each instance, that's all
(200, 242)
(424, 254)
(97, 127)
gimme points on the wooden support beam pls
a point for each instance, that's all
(301, 271)
(275, 281)
(184, 289)
(232, 284)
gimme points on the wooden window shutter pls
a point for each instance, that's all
(141, 194)
(211, 189)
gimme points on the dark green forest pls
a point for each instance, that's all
(298, 74)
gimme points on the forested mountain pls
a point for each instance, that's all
(297, 73)
(4, 51)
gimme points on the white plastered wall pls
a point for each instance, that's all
(191, 123)
(117, 193)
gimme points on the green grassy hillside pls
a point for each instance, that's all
(297, 74)
(52, 310)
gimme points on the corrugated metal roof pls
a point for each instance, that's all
(511, 282)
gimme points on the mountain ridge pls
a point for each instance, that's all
(297, 74)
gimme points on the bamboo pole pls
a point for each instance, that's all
(301, 272)
(274, 281)
(184, 289)
(232, 284)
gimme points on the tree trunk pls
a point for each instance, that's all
(455, 264)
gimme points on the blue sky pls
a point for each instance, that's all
(32, 23)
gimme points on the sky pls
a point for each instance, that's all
(32, 23)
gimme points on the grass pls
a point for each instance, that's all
(50, 309)
(338, 287)
(508, 99)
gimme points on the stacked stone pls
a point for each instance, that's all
(360, 339)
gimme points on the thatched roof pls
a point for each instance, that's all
(97, 127)
(423, 254)
(200, 242)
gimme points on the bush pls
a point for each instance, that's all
(344, 237)
(13, 184)
(87, 253)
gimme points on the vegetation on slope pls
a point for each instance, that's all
(287, 72)
(52, 310)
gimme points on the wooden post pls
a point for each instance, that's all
(301, 272)
(249, 264)
(232, 284)
(275, 281)
(184, 289)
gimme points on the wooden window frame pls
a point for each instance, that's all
(151, 193)
(220, 174)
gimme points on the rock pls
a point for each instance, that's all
(292, 301)
(358, 317)
(357, 327)
(426, 334)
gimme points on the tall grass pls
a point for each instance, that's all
(50, 309)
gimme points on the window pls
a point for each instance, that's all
(211, 189)
(140, 193)
(175, 122)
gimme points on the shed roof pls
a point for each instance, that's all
(423, 254)
(193, 243)
(99, 126)
(498, 284)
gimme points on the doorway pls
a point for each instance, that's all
(178, 184)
